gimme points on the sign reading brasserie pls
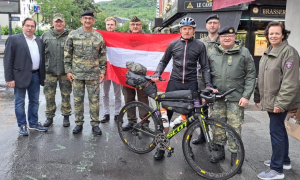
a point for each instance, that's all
(268, 11)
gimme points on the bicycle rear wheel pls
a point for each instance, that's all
(198, 156)
(139, 139)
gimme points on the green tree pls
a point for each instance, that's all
(71, 9)
(18, 30)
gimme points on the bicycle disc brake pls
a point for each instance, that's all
(162, 142)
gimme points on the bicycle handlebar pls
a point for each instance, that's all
(149, 78)
(211, 98)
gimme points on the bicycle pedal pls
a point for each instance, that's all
(170, 151)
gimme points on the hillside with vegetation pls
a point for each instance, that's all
(144, 9)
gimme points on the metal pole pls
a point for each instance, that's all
(38, 31)
(9, 23)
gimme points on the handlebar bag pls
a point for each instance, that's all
(136, 80)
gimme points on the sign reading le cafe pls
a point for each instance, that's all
(197, 4)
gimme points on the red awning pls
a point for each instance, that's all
(219, 4)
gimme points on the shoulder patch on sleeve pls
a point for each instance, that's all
(289, 65)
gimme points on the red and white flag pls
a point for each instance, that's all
(146, 49)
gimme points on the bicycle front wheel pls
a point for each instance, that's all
(140, 137)
(198, 156)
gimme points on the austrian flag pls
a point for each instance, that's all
(146, 49)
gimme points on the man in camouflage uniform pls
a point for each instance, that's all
(85, 65)
(212, 25)
(231, 66)
(54, 42)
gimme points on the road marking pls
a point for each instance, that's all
(31, 177)
(60, 147)
(107, 134)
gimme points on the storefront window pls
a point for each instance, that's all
(261, 44)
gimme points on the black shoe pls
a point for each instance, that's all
(96, 130)
(199, 140)
(48, 122)
(159, 154)
(77, 129)
(116, 117)
(220, 155)
(128, 126)
(105, 118)
(66, 122)
(233, 159)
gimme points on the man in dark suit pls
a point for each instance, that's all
(24, 69)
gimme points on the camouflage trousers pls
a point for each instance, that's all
(230, 113)
(50, 91)
(93, 90)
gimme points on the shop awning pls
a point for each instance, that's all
(229, 18)
(219, 4)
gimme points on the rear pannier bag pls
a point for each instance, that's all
(179, 107)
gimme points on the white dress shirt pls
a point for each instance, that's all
(34, 52)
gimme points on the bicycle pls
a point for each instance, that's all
(148, 133)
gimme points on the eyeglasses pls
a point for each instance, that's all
(227, 36)
(88, 18)
(29, 26)
(134, 24)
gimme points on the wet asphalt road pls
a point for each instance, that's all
(58, 154)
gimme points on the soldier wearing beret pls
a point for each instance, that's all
(85, 65)
(212, 25)
(54, 42)
(231, 66)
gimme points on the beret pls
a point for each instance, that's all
(213, 16)
(227, 30)
(88, 13)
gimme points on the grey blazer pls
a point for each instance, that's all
(18, 63)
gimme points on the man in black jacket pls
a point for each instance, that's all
(24, 69)
(186, 53)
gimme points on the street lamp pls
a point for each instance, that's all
(54, 9)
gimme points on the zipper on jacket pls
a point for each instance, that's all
(183, 71)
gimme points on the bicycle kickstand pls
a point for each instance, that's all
(170, 151)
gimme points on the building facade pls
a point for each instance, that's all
(248, 19)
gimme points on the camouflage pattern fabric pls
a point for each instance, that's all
(93, 95)
(85, 54)
(50, 91)
(230, 113)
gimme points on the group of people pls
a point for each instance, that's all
(78, 59)
(224, 64)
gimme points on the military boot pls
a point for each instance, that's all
(220, 155)
(233, 160)
(48, 122)
(66, 121)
